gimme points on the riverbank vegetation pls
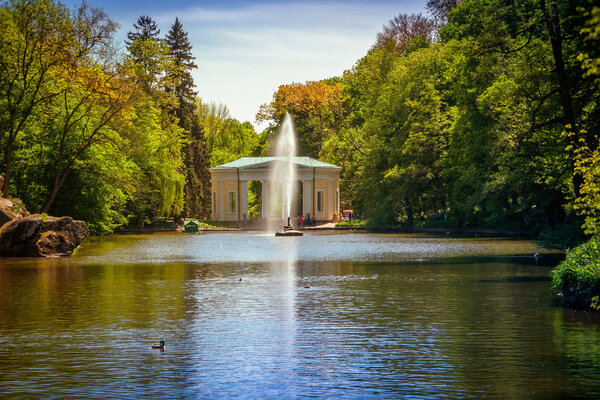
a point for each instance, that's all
(482, 116)
(112, 138)
(578, 277)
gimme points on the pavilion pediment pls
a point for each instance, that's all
(267, 162)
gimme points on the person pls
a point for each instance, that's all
(301, 220)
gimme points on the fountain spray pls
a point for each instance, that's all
(284, 175)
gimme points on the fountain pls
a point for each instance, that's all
(284, 175)
(288, 230)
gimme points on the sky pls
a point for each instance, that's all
(246, 49)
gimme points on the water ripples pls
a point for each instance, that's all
(484, 327)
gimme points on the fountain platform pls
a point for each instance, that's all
(288, 230)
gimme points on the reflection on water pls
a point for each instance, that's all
(386, 316)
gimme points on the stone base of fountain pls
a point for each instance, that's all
(288, 230)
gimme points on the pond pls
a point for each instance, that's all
(385, 316)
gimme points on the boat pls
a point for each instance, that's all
(190, 226)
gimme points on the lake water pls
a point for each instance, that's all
(386, 316)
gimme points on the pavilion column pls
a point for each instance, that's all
(244, 199)
(265, 199)
(307, 195)
(330, 208)
(222, 193)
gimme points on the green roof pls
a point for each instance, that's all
(261, 162)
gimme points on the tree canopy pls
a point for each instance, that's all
(483, 116)
(112, 138)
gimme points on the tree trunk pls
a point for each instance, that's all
(8, 155)
(409, 213)
(553, 26)
(57, 185)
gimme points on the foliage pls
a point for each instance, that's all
(588, 164)
(316, 108)
(216, 225)
(579, 273)
(180, 84)
(564, 235)
(485, 120)
(488, 115)
(354, 223)
(227, 139)
(404, 29)
(587, 158)
(89, 133)
(590, 56)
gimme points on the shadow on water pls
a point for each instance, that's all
(518, 279)
(548, 260)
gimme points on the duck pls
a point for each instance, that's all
(240, 280)
(307, 286)
(159, 346)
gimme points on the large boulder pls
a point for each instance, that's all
(40, 236)
(11, 209)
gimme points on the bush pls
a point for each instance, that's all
(216, 224)
(565, 235)
(578, 276)
(353, 223)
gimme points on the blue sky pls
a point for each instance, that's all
(246, 49)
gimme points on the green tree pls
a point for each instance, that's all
(588, 157)
(406, 141)
(91, 107)
(197, 158)
(40, 41)
(152, 60)
(228, 139)
(145, 28)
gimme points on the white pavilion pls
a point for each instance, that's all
(319, 189)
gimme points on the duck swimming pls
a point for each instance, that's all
(159, 346)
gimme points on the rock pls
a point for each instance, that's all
(11, 209)
(19, 208)
(5, 216)
(35, 236)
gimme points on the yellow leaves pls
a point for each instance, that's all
(308, 99)
(591, 32)
(587, 164)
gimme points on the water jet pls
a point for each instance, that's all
(284, 174)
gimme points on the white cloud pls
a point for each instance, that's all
(244, 54)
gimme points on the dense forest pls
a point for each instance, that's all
(114, 138)
(483, 114)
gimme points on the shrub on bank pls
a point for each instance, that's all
(202, 224)
(353, 223)
(578, 276)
